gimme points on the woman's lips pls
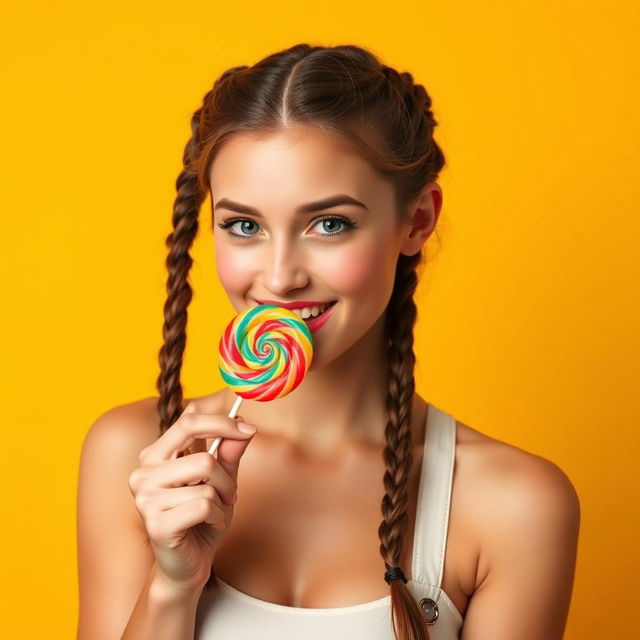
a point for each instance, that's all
(315, 323)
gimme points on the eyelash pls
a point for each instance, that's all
(348, 224)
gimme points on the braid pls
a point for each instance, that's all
(417, 120)
(179, 293)
(400, 319)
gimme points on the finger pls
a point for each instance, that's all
(207, 405)
(191, 470)
(149, 503)
(169, 498)
(229, 453)
(202, 405)
(168, 527)
(187, 428)
(204, 444)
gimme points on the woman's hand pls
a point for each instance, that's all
(187, 503)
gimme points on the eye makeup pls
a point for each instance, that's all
(348, 225)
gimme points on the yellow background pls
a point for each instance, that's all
(528, 327)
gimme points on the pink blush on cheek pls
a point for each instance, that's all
(236, 269)
(355, 272)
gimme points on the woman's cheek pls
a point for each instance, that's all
(235, 268)
(354, 270)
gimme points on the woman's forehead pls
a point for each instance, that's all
(300, 164)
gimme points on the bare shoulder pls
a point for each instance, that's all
(131, 426)
(522, 515)
(510, 494)
(498, 464)
(110, 452)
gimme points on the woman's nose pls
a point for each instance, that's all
(284, 269)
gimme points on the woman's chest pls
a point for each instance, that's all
(311, 539)
(308, 549)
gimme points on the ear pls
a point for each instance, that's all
(423, 215)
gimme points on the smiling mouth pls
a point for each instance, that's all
(311, 318)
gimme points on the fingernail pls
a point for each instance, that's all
(245, 427)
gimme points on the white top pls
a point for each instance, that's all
(225, 613)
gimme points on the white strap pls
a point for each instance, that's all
(434, 498)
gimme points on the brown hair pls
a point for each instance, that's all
(348, 92)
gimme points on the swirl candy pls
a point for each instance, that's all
(264, 354)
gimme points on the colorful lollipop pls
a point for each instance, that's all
(264, 354)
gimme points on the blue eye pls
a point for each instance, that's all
(347, 225)
(340, 221)
(242, 221)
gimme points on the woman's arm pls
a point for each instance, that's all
(162, 613)
(118, 587)
(529, 527)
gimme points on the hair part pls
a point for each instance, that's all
(387, 118)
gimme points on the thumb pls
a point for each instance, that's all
(230, 452)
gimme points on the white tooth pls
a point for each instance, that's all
(298, 312)
(306, 312)
(315, 311)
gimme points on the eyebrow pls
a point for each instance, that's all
(310, 207)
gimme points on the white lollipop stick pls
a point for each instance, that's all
(232, 414)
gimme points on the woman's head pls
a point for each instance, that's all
(269, 249)
(298, 126)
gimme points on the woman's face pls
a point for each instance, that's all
(344, 253)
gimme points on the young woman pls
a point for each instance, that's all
(322, 167)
